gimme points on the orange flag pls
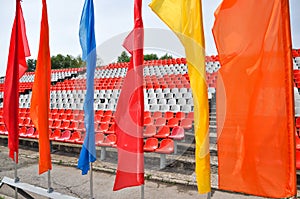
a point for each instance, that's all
(255, 108)
(39, 109)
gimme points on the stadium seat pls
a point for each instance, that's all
(55, 134)
(30, 132)
(22, 131)
(75, 137)
(177, 133)
(160, 122)
(186, 123)
(163, 132)
(151, 144)
(99, 138)
(150, 131)
(64, 136)
(166, 146)
(103, 127)
(157, 114)
(111, 129)
(109, 141)
(172, 122)
(148, 121)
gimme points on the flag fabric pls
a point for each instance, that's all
(16, 67)
(255, 108)
(184, 18)
(88, 45)
(40, 99)
(129, 116)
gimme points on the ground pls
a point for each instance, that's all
(68, 180)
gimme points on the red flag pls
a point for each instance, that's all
(39, 106)
(16, 67)
(129, 115)
(255, 110)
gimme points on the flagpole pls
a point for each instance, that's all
(91, 181)
(16, 174)
(209, 195)
(50, 189)
(142, 191)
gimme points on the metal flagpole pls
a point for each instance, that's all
(142, 191)
(209, 195)
(50, 189)
(16, 174)
(91, 181)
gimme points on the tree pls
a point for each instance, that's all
(123, 57)
(31, 63)
(166, 56)
(148, 57)
(59, 61)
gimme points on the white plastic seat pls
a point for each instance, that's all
(172, 101)
(162, 101)
(164, 107)
(186, 108)
(175, 108)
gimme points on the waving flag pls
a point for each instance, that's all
(16, 67)
(255, 109)
(39, 106)
(184, 18)
(88, 45)
(129, 115)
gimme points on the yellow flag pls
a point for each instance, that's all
(184, 18)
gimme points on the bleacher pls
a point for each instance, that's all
(168, 114)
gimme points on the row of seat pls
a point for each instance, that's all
(152, 144)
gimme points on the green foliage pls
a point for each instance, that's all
(166, 56)
(59, 61)
(31, 63)
(152, 56)
(123, 57)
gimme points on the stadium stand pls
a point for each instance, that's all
(168, 101)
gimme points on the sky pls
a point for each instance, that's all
(113, 18)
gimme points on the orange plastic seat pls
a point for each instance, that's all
(160, 122)
(22, 131)
(74, 137)
(99, 138)
(73, 126)
(186, 123)
(148, 121)
(56, 124)
(55, 134)
(147, 114)
(29, 132)
(163, 132)
(103, 128)
(157, 114)
(169, 115)
(173, 122)
(64, 136)
(65, 125)
(81, 126)
(111, 129)
(151, 144)
(150, 131)
(180, 115)
(177, 133)
(166, 146)
(190, 115)
(109, 141)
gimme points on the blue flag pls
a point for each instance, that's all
(88, 45)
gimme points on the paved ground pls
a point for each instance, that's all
(68, 180)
